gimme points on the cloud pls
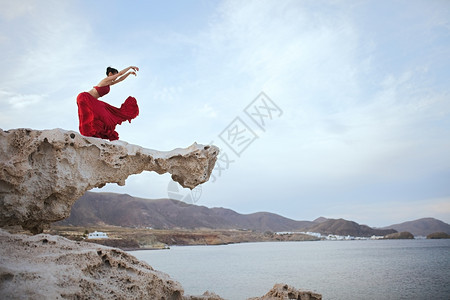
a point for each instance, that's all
(19, 101)
(363, 125)
(352, 117)
(208, 111)
(45, 45)
(12, 10)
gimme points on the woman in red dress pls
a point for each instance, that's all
(98, 118)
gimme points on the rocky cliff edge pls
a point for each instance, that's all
(44, 172)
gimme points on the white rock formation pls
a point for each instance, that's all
(52, 267)
(44, 266)
(283, 291)
(44, 172)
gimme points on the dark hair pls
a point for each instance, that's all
(112, 70)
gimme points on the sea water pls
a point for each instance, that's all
(367, 269)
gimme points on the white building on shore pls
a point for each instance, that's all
(97, 235)
(332, 237)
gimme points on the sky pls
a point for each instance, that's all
(338, 109)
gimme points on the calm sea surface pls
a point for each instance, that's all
(389, 269)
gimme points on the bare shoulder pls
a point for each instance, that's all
(104, 82)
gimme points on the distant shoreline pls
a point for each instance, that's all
(133, 239)
(136, 239)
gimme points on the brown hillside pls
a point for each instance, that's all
(422, 227)
(124, 210)
(344, 227)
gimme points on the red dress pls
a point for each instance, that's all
(99, 119)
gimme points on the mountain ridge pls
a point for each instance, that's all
(345, 227)
(125, 210)
(95, 208)
(422, 227)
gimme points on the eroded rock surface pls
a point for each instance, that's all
(45, 266)
(284, 291)
(52, 267)
(44, 172)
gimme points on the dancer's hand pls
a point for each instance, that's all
(134, 68)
